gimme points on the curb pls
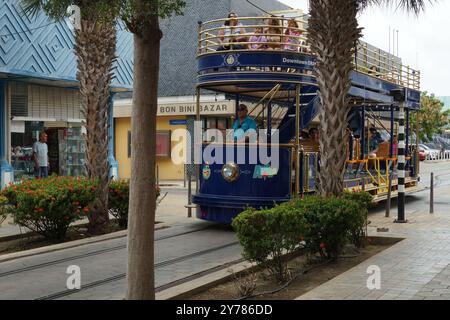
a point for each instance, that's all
(187, 289)
(68, 245)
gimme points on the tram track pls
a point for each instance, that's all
(158, 265)
(90, 254)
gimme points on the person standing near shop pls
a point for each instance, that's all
(40, 157)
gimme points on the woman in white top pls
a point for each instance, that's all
(232, 31)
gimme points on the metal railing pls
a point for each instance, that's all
(275, 34)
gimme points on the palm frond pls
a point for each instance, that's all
(32, 7)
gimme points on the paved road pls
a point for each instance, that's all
(103, 265)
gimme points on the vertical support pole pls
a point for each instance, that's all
(302, 170)
(197, 167)
(417, 144)
(363, 133)
(350, 144)
(432, 193)
(391, 142)
(401, 164)
(297, 140)
(389, 197)
(113, 164)
(189, 196)
(269, 123)
(407, 154)
(6, 171)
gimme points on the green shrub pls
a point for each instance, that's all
(3, 208)
(119, 195)
(331, 223)
(358, 228)
(48, 206)
(119, 198)
(364, 198)
(267, 236)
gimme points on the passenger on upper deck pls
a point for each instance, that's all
(243, 123)
(259, 39)
(292, 35)
(231, 32)
(274, 34)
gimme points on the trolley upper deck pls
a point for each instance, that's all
(237, 60)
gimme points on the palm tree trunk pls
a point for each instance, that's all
(95, 49)
(141, 281)
(333, 32)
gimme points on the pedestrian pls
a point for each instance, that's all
(40, 157)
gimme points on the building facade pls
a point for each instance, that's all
(177, 82)
(39, 92)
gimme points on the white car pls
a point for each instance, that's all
(429, 153)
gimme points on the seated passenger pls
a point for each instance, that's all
(243, 123)
(292, 36)
(375, 140)
(274, 34)
(314, 134)
(259, 39)
(231, 32)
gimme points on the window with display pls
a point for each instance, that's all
(163, 144)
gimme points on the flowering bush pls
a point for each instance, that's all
(119, 199)
(3, 208)
(49, 206)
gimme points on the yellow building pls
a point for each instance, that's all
(173, 114)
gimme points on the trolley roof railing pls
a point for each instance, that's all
(268, 34)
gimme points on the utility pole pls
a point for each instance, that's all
(400, 96)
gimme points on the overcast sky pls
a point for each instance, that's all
(424, 41)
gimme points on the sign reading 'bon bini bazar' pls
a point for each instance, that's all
(212, 108)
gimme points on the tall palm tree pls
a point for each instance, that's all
(95, 49)
(333, 32)
(142, 19)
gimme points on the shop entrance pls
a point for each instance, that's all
(66, 148)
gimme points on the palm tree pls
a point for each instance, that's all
(142, 19)
(333, 32)
(95, 49)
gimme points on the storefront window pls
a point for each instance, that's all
(23, 135)
(163, 144)
(66, 148)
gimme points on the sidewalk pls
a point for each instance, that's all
(417, 268)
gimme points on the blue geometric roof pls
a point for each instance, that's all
(39, 47)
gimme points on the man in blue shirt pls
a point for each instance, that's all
(243, 123)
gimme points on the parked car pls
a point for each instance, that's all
(429, 152)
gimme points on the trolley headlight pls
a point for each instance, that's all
(230, 172)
